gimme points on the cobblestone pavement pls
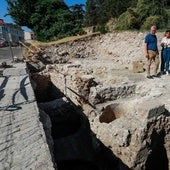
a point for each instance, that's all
(22, 140)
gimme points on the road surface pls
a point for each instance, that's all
(7, 53)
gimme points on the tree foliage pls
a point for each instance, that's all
(145, 14)
(21, 11)
(78, 16)
(91, 13)
(100, 11)
(51, 19)
(47, 18)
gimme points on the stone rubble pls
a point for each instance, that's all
(105, 75)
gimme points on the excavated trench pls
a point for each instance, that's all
(72, 144)
(158, 158)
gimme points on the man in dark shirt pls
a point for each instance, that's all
(151, 51)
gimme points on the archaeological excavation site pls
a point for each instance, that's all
(97, 109)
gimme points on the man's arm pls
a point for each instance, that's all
(146, 50)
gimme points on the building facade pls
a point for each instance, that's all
(10, 32)
(29, 36)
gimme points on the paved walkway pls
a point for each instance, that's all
(22, 140)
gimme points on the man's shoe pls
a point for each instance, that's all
(167, 73)
(149, 77)
(162, 73)
(157, 76)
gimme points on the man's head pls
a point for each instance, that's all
(153, 29)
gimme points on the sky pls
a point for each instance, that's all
(8, 19)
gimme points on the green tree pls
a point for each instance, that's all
(114, 8)
(147, 8)
(151, 12)
(54, 21)
(21, 11)
(98, 12)
(128, 20)
(78, 11)
(91, 13)
(47, 18)
(78, 16)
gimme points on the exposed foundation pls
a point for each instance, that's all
(75, 146)
(106, 115)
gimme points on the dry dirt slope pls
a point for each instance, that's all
(112, 54)
(120, 49)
